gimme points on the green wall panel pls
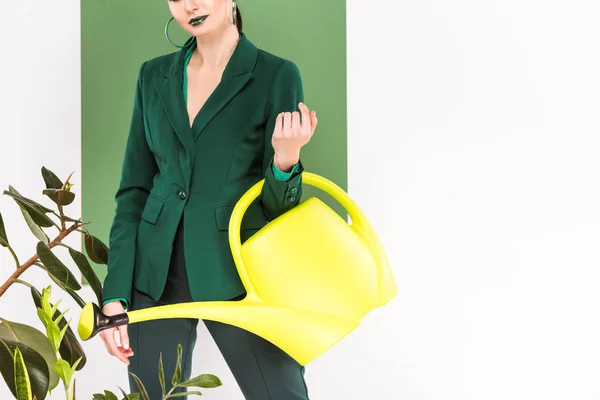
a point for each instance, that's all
(118, 36)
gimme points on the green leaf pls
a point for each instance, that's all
(22, 382)
(35, 210)
(51, 180)
(123, 392)
(69, 219)
(63, 331)
(37, 216)
(53, 319)
(177, 374)
(56, 267)
(110, 395)
(76, 297)
(12, 191)
(71, 292)
(87, 272)
(161, 375)
(43, 317)
(132, 396)
(52, 331)
(33, 227)
(46, 305)
(51, 193)
(64, 371)
(55, 309)
(181, 394)
(60, 196)
(65, 197)
(34, 339)
(140, 386)
(37, 369)
(70, 348)
(203, 381)
(96, 250)
(3, 237)
(75, 365)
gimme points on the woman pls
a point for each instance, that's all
(209, 121)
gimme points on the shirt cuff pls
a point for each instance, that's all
(123, 301)
(284, 176)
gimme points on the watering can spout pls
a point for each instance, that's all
(303, 334)
(303, 295)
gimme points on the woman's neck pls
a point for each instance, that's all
(213, 51)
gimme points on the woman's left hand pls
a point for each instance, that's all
(290, 134)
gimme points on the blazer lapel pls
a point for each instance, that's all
(171, 97)
(237, 73)
(169, 89)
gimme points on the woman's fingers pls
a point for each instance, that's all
(124, 337)
(287, 124)
(306, 120)
(296, 127)
(313, 121)
(108, 337)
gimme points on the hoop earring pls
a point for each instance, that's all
(233, 12)
(167, 34)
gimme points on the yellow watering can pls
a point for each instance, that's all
(303, 295)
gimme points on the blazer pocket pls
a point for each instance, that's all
(152, 209)
(254, 217)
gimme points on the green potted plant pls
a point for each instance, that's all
(34, 363)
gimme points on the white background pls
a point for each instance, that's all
(473, 148)
(473, 140)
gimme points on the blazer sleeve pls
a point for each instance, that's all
(280, 195)
(137, 175)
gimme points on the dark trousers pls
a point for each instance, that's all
(262, 370)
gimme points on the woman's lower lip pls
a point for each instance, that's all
(198, 20)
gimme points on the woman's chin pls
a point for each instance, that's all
(198, 30)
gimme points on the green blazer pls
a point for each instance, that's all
(172, 171)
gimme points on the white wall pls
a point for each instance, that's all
(473, 148)
(40, 125)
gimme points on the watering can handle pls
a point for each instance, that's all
(359, 223)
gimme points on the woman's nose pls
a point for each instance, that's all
(191, 5)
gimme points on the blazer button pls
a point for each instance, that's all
(182, 195)
(293, 190)
(291, 198)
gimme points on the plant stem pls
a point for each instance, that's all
(33, 259)
(69, 391)
(60, 207)
(62, 217)
(66, 385)
(169, 392)
(23, 283)
(12, 251)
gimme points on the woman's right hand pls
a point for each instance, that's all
(123, 351)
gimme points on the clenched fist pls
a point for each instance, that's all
(290, 134)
